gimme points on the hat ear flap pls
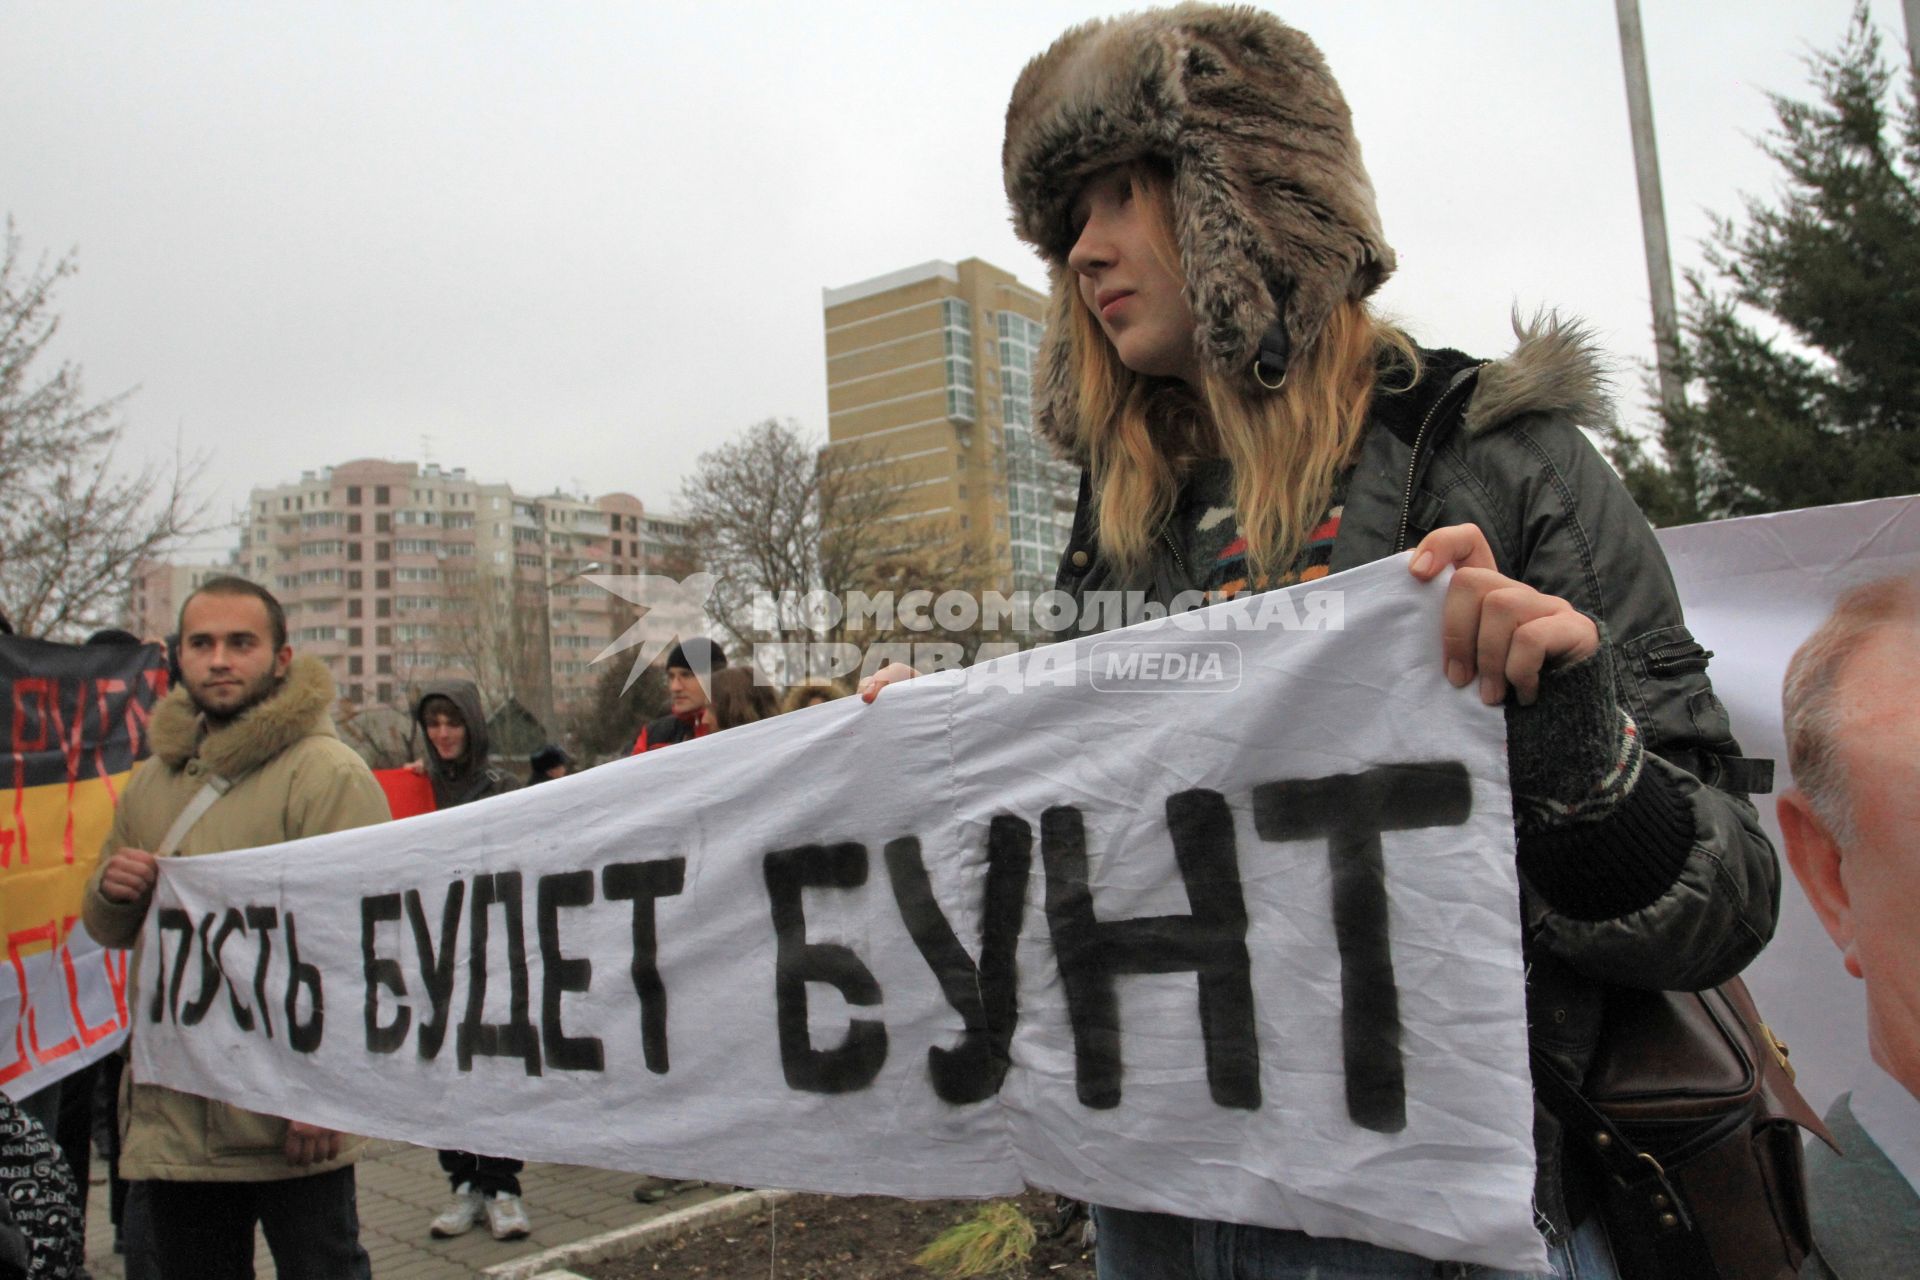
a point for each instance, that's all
(1224, 258)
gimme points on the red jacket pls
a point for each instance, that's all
(669, 729)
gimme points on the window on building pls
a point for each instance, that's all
(353, 607)
(383, 551)
(386, 691)
(382, 522)
(382, 579)
(383, 607)
(381, 498)
(957, 322)
(353, 579)
(353, 496)
(353, 551)
(356, 665)
(383, 664)
(383, 637)
(353, 521)
(355, 637)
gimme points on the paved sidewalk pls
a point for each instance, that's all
(401, 1188)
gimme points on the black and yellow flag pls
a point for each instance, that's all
(73, 720)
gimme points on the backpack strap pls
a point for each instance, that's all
(196, 809)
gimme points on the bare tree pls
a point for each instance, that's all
(73, 523)
(774, 513)
(491, 630)
(605, 727)
(384, 735)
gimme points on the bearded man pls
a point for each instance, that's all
(244, 755)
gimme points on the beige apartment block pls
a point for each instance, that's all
(158, 590)
(393, 574)
(932, 367)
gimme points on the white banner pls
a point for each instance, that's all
(1755, 589)
(1216, 915)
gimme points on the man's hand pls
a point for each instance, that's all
(130, 876)
(1502, 630)
(310, 1144)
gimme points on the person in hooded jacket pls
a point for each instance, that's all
(458, 764)
(1243, 421)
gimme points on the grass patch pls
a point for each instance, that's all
(996, 1241)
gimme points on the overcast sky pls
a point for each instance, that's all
(574, 245)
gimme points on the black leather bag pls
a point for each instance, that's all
(1690, 1113)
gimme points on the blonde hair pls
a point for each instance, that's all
(1285, 448)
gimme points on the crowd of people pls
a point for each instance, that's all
(247, 756)
(1243, 420)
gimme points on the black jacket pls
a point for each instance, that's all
(1679, 888)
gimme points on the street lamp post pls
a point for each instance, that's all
(1653, 213)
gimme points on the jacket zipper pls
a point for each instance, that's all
(1177, 558)
(1413, 464)
(1680, 655)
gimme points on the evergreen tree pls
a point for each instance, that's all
(1801, 344)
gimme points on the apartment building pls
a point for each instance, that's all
(394, 573)
(160, 587)
(932, 367)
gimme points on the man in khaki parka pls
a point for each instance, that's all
(251, 713)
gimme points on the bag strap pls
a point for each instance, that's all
(1660, 1217)
(196, 809)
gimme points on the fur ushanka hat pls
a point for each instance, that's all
(1274, 214)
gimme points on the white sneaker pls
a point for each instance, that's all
(459, 1217)
(507, 1217)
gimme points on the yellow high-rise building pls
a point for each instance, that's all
(931, 367)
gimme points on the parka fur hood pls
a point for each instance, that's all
(1274, 213)
(300, 708)
(1557, 368)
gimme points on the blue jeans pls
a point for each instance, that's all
(204, 1230)
(1131, 1245)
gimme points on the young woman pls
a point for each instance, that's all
(1244, 422)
